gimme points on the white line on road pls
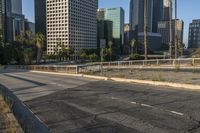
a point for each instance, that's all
(114, 98)
(146, 105)
(177, 113)
(133, 102)
(149, 106)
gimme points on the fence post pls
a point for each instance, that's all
(77, 69)
(157, 62)
(193, 62)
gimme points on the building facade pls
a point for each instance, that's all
(116, 16)
(166, 10)
(157, 14)
(164, 29)
(40, 16)
(137, 15)
(13, 20)
(16, 6)
(194, 34)
(72, 23)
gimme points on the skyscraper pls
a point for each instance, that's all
(154, 15)
(1, 21)
(137, 15)
(116, 16)
(13, 19)
(72, 23)
(104, 28)
(166, 10)
(40, 16)
(16, 6)
(7, 20)
(164, 29)
(194, 34)
(157, 14)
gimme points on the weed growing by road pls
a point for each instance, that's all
(158, 78)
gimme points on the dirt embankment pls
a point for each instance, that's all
(8, 123)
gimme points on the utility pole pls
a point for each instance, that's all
(171, 32)
(175, 27)
(145, 30)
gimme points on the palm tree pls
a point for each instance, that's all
(145, 30)
(133, 44)
(176, 37)
(110, 49)
(170, 42)
(40, 43)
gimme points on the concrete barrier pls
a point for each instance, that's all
(29, 122)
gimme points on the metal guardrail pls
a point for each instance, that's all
(73, 69)
(187, 62)
(99, 66)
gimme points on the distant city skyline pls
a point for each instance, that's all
(187, 11)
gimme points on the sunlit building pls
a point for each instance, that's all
(72, 23)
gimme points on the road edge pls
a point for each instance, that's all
(25, 117)
(123, 80)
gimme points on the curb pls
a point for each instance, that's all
(155, 83)
(27, 119)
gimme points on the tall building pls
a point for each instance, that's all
(30, 26)
(194, 34)
(116, 16)
(166, 10)
(157, 14)
(164, 29)
(13, 19)
(40, 16)
(16, 6)
(104, 28)
(7, 20)
(72, 23)
(137, 15)
(1, 22)
(154, 15)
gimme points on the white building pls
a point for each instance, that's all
(72, 23)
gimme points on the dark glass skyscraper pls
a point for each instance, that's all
(157, 14)
(137, 15)
(40, 16)
(194, 34)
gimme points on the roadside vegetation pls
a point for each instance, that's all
(8, 123)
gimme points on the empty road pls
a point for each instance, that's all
(78, 105)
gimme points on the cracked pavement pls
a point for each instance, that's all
(81, 105)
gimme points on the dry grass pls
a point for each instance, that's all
(10, 124)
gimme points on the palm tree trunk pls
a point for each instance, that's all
(176, 37)
(145, 30)
(38, 55)
(170, 42)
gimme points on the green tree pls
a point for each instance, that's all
(93, 57)
(40, 43)
(110, 51)
(133, 45)
(27, 42)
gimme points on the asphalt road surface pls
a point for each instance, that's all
(79, 105)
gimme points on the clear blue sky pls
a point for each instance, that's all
(188, 10)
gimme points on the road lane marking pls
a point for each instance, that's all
(177, 113)
(146, 105)
(114, 98)
(133, 102)
(149, 106)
